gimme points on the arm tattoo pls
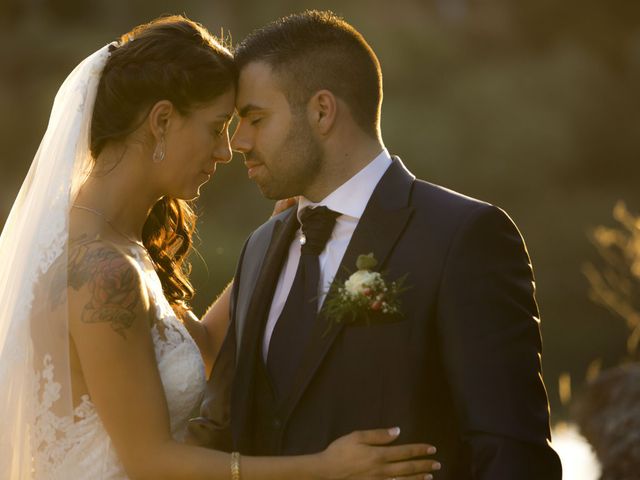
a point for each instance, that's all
(111, 282)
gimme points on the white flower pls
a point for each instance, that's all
(360, 281)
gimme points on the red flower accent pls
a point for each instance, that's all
(114, 284)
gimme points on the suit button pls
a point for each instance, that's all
(277, 423)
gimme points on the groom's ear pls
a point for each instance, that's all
(158, 118)
(322, 109)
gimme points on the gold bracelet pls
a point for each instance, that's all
(235, 466)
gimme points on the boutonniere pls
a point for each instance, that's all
(366, 295)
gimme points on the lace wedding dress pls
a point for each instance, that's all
(44, 434)
(78, 447)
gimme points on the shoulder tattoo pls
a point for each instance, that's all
(112, 285)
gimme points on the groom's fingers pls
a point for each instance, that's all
(404, 452)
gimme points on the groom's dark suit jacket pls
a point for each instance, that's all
(461, 370)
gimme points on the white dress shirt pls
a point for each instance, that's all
(350, 200)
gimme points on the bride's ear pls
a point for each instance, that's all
(158, 118)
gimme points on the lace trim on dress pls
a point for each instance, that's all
(53, 436)
(57, 438)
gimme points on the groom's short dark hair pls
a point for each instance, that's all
(317, 50)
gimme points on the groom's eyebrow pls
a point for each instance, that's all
(247, 109)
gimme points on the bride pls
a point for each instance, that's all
(98, 374)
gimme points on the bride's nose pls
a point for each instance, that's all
(223, 153)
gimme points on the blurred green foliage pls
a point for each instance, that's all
(530, 105)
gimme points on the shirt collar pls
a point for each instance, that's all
(352, 197)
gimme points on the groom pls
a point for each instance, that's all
(459, 368)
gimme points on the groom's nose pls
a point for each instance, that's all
(241, 140)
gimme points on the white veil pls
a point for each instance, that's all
(35, 384)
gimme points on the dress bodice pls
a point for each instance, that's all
(80, 448)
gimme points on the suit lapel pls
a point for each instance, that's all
(378, 230)
(256, 316)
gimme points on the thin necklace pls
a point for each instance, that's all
(110, 223)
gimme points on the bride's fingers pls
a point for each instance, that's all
(282, 205)
(402, 452)
(381, 436)
(417, 469)
(422, 476)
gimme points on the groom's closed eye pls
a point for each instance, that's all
(252, 112)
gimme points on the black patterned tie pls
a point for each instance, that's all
(294, 326)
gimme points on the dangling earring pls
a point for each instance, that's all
(158, 153)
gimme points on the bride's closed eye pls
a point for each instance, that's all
(219, 129)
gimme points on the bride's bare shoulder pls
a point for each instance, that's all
(91, 256)
(105, 284)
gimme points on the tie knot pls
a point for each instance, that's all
(317, 225)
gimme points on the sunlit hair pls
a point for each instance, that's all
(171, 58)
(317, 50)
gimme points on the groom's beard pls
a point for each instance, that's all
(294, 166)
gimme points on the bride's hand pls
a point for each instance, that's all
(363, 455)
(282, 205)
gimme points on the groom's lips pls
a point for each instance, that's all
(252, 167)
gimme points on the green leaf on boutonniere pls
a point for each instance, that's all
(366, 262)
(365, 295)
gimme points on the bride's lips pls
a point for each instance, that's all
(252, 167)
(208, 171)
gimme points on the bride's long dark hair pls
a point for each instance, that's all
(171, 58)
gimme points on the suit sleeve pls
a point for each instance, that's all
(489, 330)
(234, 296)
(228, 350)
(215, 432)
